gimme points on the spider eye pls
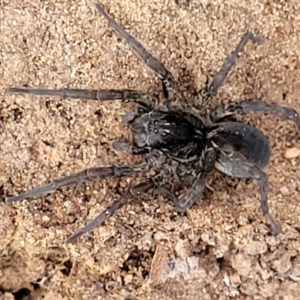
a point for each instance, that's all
(164, 133)
(151, 126)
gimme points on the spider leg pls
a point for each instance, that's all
(143, 187)
(128, 148)
(255, 106)
(88, 174)
(169, 84)
(155, 182)
(129, 117)
(144, 99)
(205, 94)
(206, 166)
(238, 166)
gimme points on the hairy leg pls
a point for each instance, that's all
(206, 166)
(204, 95)
(169, 84)
(146, 100)
(255, 106)
(237, 165)
(128, 148)
(159, 179)
(89, 174)
(143, 187)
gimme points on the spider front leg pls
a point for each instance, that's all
(238, 166)
(169, 84)
(204, 95)
(88, 174)
(155, 182)
(143, 187)
(128, 148)
(206, 166)
(255, 106)
(144, 99)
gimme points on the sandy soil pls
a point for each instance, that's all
(222, 248)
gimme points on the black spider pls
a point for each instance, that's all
(182, 143)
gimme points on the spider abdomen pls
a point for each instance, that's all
(245, 139)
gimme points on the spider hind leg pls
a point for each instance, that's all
(238, 166)
(255, 106)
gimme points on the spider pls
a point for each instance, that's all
(178, 142)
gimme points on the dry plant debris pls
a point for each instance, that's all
(63, 43)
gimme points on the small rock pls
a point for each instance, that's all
(232, 279)
(128, 278)
(292, 153)
(31, 240)
(283, 264)
(242, 264)
(181, 248)
(160, 236)
(255, 248)
(159, 266)
(296, 266)
(284, 190)
(249, 288)
(45, 218)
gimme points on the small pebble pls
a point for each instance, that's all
(128, 278)
(31, 240)
(292, 153)
(284, 190)
(45, 219)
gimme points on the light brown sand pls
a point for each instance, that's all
(66, 44)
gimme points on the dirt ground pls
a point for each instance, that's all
(222, 248)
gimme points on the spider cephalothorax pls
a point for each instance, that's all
(178, 135)
(181, 143)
